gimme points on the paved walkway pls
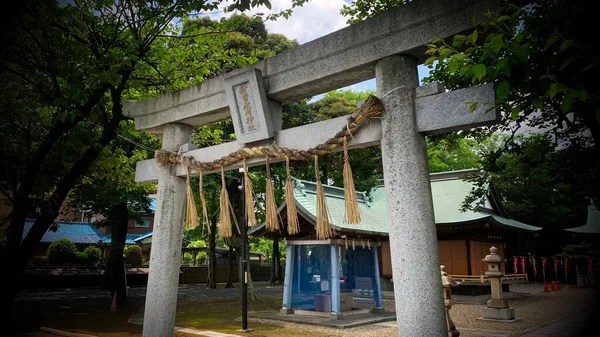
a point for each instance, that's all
(572, 326)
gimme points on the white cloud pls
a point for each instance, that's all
(311, 21)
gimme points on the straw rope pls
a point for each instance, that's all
(272, 222)
(371, 108)
(323, 228)
(292, 215)
(352, 213)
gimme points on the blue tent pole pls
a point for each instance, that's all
(335, 282)
(376, 279)
(287, 281)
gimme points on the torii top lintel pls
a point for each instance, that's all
(341, 58)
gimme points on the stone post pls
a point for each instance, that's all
(497, 308)
(163, 278)
(447, 283)
(412, 232)
(287, 281)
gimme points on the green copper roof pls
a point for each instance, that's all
(448, 191)
(592, 225)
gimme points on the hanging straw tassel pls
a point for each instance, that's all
(224, 209)
(292, 215)
(323, 229)
(249, 197)
(203, 202)
(270, 205)
(191, 214)
(352, 214)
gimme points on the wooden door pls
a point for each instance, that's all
(453, 255)
(479, 250)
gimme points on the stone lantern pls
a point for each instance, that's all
(497, 308)
(447, 283)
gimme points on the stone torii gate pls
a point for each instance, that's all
(388, 47)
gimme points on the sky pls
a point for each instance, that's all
(315, 19)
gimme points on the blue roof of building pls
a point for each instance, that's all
(142, 237)
(76, 232)
(130, 239)
(80, 233)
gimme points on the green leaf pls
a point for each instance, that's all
(453, 65)
(553, 90)
(514, 113)
(474, 36)
(568, 61)
(496, 42)
(537, 103)
(430, 60)
(479, 71)
(502, 90)
(588, 67)
(503, 18)
(459, 39)
(551, 40)
(473, 106)
(567, 101)
(567, 44)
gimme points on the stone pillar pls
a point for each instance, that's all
(497, 308)
(287, 281)
(412, 232)
(334, 287)
(165, 256)
(447, 283)
(376, 281)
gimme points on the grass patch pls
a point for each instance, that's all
(219, 315)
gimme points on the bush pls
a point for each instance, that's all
(39, 260)
(197, 244)
(81, 258)
(201, 258)
(93, 254)
(133, 255)
(188, 259)
(61, 251)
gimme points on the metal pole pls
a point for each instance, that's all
(244, 239)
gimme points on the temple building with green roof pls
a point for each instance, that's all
(351, 268)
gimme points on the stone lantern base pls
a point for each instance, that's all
(507, 314)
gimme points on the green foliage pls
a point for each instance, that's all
(133, 255)
(201, 258)
(543, 69)
(197, 244)
(359, 10)
(265, 246)
(81, 258)
(66, 70)
(540, 184)
(579, 251)
(188, 258)
(94, 254)
(451, 152)
(61, 251)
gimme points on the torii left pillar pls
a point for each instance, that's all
(165, 256)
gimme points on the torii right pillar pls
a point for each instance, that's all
(413, 238)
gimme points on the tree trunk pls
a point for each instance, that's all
(211, 281)
(275, 263)
(19, 252)
(230, 268)
(114, 273)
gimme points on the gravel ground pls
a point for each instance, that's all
(534, 307)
